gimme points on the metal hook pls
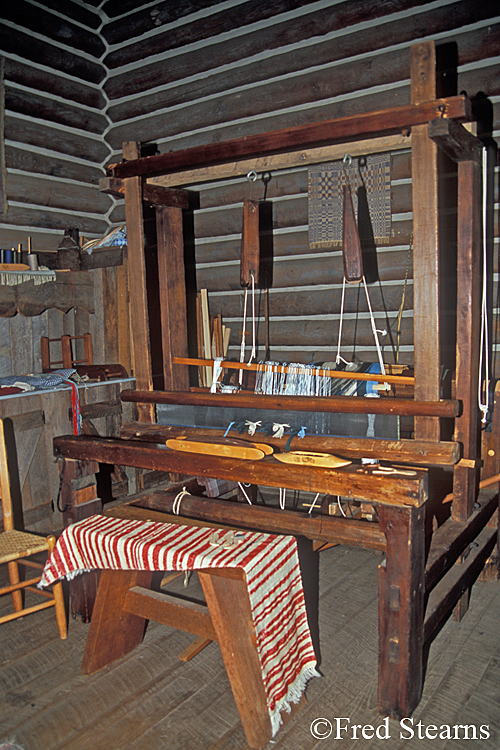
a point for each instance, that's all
(442, 109)
(348, 159)
(252, 175)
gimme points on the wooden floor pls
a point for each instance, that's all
(152, 701)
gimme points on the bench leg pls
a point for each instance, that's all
(229, 605)
(401, 611)
(113, 632)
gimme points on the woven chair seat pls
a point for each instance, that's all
(15, 544)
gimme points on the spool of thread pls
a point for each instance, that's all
(8, 256)
(32, 261)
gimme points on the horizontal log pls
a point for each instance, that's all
(346, 481)
(452, 537)
(55, 139)
(280, 89)
(27, 160)
(301, 136)
(156, 195)
(273, 521)
(321, 269)
(39, 191)
(411, 451)
(27, 46)
(292, 31)
(32, 77)
(343, 405)
(142, 21)
(78, 13)
(59, 29)
(47, 108)
(312, 301)
(24, 215)
(289, 213)
(459, 578)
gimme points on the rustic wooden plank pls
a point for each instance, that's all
(425, 243)
(69, 290)
(173, 299)
(113, 632)
(342, 129)
(346, 480)
(156, 504)
(411, 451)
(401, 611)
(459, 578)
(154, 194)
(452, 537)
(231, 614)
(137, 283)
(279, 161)
(170, 610)
(467, 375)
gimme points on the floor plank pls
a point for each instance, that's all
(150, 699)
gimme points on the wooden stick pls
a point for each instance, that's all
(335, 404)
(397, 379)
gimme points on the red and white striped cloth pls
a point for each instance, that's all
(272, 572)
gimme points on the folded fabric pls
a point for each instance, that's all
(272, 572)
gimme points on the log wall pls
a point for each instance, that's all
(82, 77)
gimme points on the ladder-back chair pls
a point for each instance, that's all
(15, 547)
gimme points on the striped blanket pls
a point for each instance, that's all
(272, 572)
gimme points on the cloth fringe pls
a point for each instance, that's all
(293, 696)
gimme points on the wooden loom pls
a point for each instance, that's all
(419, 582)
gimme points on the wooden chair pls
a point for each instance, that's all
(15, 547)
(68, 359)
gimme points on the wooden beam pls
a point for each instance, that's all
(401, 611)
(466, 474)
(345, 129)
(141, 347)
(340, 404)
(347, 480)
(426, 322)
(155, 195)
(417, 452)
(272, 162)
(173, 302)
(455, 140)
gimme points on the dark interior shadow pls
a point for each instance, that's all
(309, 569)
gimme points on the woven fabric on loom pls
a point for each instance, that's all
(272, 572)
(367, 175)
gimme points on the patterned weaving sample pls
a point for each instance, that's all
(273, 578)
(370, 181)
